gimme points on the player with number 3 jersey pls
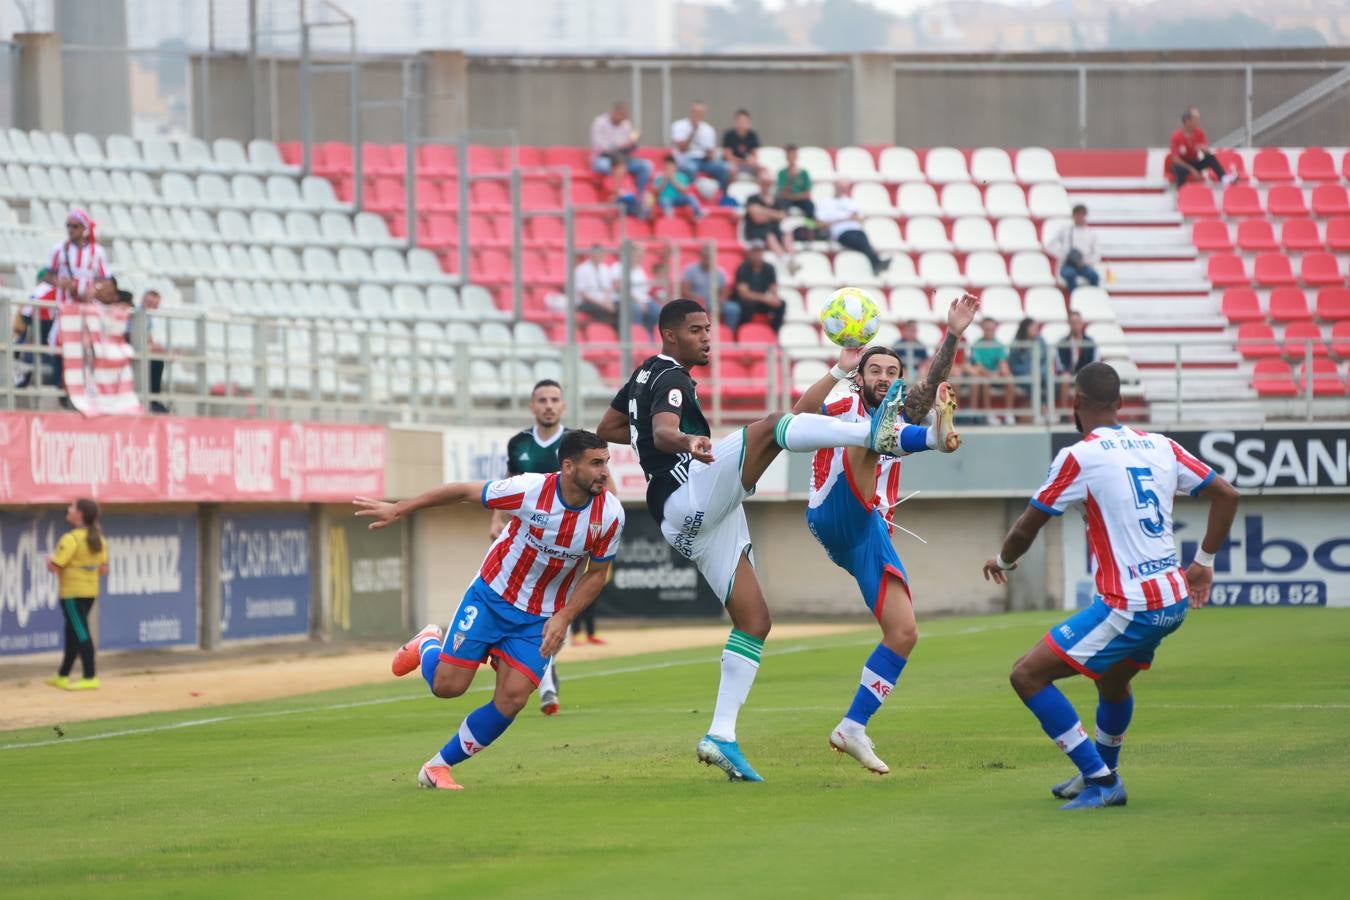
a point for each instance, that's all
(547, 566)
(1125, 481)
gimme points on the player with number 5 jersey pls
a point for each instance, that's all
(543, 570)
(1124, 480)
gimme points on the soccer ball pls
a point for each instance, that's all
(850, 317)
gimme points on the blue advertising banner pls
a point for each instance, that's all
(30, 608)
(264, 574)
(149, 598)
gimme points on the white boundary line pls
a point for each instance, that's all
(380, 701)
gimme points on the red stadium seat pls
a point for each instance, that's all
(599, 333)
(673, 227)
(375, 160)
(490, 265)
(1256, 340)
(1330, 200)
(484, 159)
(1211, 236)
(1316, 164)
(1197, 201)
(1242, 201)
(757, 333)
(345, 188)
(331, 158)
(1340, 340)
(717, 228)
(486, 231)
(1300, 235)
(437, 196)
(1286, 200)
(386, 194)
(1273, 270)
(578, 159)
(528, 157)
(1271, 378)
(1333, 304)
(440, 160)
(1271, 165)
(1240, 305)
(490, 196)
(1338, 234)
(1232, 163)
(635, 229)
(1299, 336)
(1326, 381)
(585, 193)
(1320, 270)
(539, 195)
(1345, 167)
(588, 230)
(291, 152)
(440, 231)
(1256, 235)
(1288, 305)
(545, 231)
(1227, 270)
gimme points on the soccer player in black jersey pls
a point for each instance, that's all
(695, 489)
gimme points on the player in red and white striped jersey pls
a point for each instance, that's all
(1125, 481)
(545, 568)
(78, 261)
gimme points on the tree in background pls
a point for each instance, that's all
(1237, 30)
(741, 22)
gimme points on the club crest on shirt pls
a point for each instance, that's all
(595, 533)
(675, 397)
(459, 639)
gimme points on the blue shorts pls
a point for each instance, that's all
(486, 626)
(857, 540)
(1096, 638)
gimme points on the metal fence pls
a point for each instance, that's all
(217, 364)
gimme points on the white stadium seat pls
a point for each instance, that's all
(1093, 303)
(771, 158)
(926, 233)
(910, 304)
(897, 165)
(1045, 304)
(813, 269)
(900, 272)
(855, 164)
(884, 234)
(1031, 270)
(284, 194)
(917, 199)
(264, 156)
(1036, 165)
(944, 165)
(852, 268)
(318, 193)
(1014, 235)
(816, 161)
(985, 269)
(873, 199)
(1005, 200)
(1048, 200)
(938, 268)
(971, 234)
(1001, 303)
(961, 199)
(794, 306)
(990, 164)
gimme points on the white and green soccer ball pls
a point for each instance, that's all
(850, 317)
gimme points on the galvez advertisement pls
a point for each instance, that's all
(49, 458)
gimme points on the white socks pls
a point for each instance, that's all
(738, 676)
(548, 683)
(804, 432)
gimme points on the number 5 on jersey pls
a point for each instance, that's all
(1145, 498)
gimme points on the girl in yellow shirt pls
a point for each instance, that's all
(80, 557)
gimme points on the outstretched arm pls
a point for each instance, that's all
(1223, 504)
(1018, 541)
(814, 398)
(385, 513)
(919, 399)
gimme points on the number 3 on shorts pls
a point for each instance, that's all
(470, 614)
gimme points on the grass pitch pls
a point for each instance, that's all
(1237, 764)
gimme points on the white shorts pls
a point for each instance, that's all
(704, 520)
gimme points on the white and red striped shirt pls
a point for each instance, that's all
(1125, 481)
(84, 264)
(831, 464)
(538, 557)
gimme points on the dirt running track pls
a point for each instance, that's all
(133, 684)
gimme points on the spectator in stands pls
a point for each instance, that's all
(755, 293)
(141, 318)
(593, 281)
(703, 280)
(988, 362)
(671, 189)
(614, 139)
(45, 366)
(1030, 358)
(693, 143)
(79, 260)
(913, 354)
(764, 220)
(840, 215)
(622, 191)
(1074, 352)
(1075, 247)
(794, 185)
(1191, 152)
(740, 146)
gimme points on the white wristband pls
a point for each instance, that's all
(1005, 566)
(837, 373)
(1203, 558)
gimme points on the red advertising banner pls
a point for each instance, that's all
(51, 458)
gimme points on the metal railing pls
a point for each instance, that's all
(391, 371)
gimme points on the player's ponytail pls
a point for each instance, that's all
(89, 513)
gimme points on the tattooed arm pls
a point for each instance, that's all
(919, 398)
